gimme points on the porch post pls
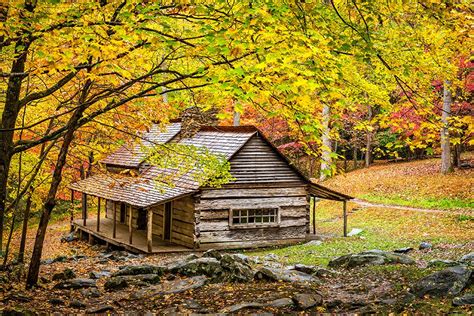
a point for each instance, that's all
(98, 214)
(114, 231)
(84, 209)
(72, 210)
(344, 213)
(314, 215)
(130, 224)
(149, 231)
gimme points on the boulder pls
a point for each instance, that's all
(173, 287)
(450, 281)
(77, 304)
(305, 301)
(371, 257)
(65, 275)
(91, 292)
(466, 299)
(202, 266)
(100, 309)
(275, 274)
(425, 246)
(69, 237)
(76, 284)
(355, 232)
(403, 250)
(442, 263)
(271, 257)
(99, 274)
(139, 269)
(235, 269)
(468, 259)
(212, 253)
(120, 282)
(281, 302)
(237, 307)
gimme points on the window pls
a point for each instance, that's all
(255, 217)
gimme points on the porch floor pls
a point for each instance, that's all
(139, 240)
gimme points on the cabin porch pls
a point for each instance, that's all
(139, 244)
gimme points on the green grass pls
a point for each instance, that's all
(429, 203)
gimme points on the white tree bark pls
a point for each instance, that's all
(446, 163)
(325, 169)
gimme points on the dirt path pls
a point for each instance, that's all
(408, 208)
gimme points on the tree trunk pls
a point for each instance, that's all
(50, 201)
(368, 143)
(354, 157)
(457, 155)
(446, 164)
(325, 169)
(7, 248)
(24, 230)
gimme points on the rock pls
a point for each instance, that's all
(355, 232)
(468, 259)
(99, 274)
(466, 299)
(44, 280)
(77, 304)
(425, 245)
(371, 257)
(442, 263)
(76, 284)
(235, 269)
(305, 301)
(91, 292)
(202, 266)
(403, 250)
(314, 243)
(78, 257)
(271, 257)
(240, 257)
(274, 274)
(450, 281)
(100, 309)
(192, 304)
(57, 259)
(281, 302)
(237, 307)
(212, 253)
(120, 282)
(65, 275)
(305, 268)
(56, 301)
(140, 269)
(173, 287)
(69, 237)
(190, 257)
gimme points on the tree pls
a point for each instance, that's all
(446, 159)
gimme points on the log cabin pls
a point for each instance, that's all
(267, 202)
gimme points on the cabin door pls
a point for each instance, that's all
(122, 212)
(141, 221)
(167, 221)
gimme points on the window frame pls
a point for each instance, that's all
(254, 225)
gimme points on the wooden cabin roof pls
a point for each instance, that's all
(133, 156)
(237, 143)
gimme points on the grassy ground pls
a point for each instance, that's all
(415, 183)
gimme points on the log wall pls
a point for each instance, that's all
(182, 223)
(214, 206)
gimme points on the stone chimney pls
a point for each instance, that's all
(193, 118)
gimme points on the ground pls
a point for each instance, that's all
(359, 290)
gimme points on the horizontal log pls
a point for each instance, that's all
(253, 234)
(251, 203)
(256, 192)
(214, 214)
(293, 211)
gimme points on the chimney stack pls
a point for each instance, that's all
(193, 118)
